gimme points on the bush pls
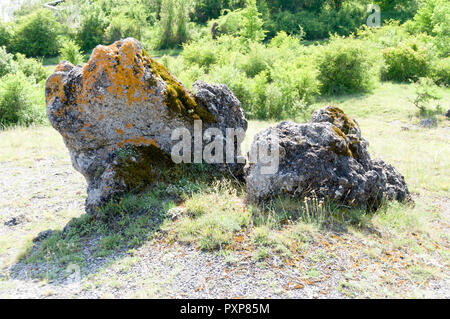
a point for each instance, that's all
(424, 16)
(406, 62)
(37, 34)
(20, 101)
(346, 66)
(70, 51)
(391, 34)
(236, 81)
(320, 23)
(441, 29)
(121, 27)
(203, 53)
(440, 72)
(257, 60)
(31, 68)
(7, 63)
(426, 92)
(173, 25)
(92, 28)
(228, 23)
(6, 35)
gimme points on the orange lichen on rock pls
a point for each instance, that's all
(55, 88)
(119, 131)
(124, 68)
(138, 141)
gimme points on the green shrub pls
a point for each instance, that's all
(236, 81)
(391, 34)
(257, 60)
(20, 101)
(70, 51)
(121, 27)
(426, 92)
(92, 27)
(7, 63)
(203, 53)
(441, 29)
(31, 68)
(424, 16)
(6, 35)
(321, 22)
(409, 61)
(173, 25)
(283, 40)
(252, 25)
(440, 71)
(37, 34)
(228, 23)
(346, 66)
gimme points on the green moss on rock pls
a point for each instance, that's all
(178, 99)
(341, 120)
(142, 166)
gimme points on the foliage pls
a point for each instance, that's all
(6, 34)
(20, 101)
(425, 93)
(7, 63)
(32, 68)
(173, 25)
(346, 65)
(321, 22)
(92, 27)
(70, 51)
(440, 71)
(408, 61)
(424, 16)
(37, 34)
(251, 27)
(210, 9)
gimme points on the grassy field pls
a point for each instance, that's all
(151, 244)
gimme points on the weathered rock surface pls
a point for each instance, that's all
(329, 157)
(117, 114)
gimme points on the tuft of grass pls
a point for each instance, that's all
(211, 218)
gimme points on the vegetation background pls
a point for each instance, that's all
(277, 56)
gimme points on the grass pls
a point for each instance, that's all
(211, 214)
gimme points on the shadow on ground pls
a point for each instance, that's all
(93, 242)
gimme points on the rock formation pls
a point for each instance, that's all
(117, 114)
(327, 156)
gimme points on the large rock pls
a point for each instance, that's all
(117, 114)
(327, 157)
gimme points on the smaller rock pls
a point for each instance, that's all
(428, 123)
(12, 222)
(43, 235)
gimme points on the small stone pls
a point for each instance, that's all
(12, 222)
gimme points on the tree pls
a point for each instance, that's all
(92, 28)
(173, 23)
(37, 34)
(251, 28)
(166, 23)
